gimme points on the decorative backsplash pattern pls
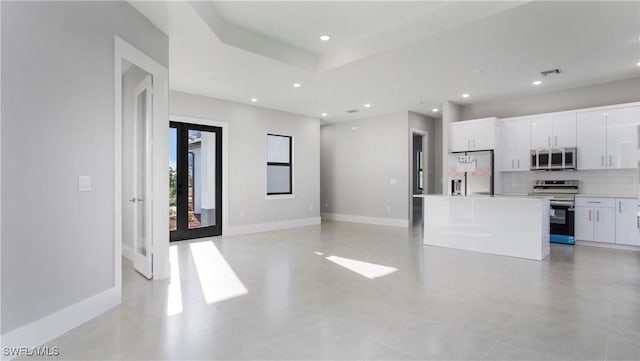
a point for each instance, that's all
(600, 182)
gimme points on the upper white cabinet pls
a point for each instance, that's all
(516, 137)
(479, 134)
(622, 137)
(553, 131)
(608, 139)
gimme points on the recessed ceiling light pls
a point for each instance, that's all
(435, 110)
(465, 95)
(537, 82)
(367, 105)
(324, 114)
(297, 85)
(325, 37)
(254, 100)
(638, 63)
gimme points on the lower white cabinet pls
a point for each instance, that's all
(609, 220)
(627, 224)
(595, 220)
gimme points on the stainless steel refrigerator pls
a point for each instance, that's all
(471, 173)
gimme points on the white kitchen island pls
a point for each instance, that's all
(508, 226)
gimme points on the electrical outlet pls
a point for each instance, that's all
(84, 183)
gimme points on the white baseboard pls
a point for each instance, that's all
(271, 226)
(608, 245)
(127, 252)
(49, 327)
(392, 222)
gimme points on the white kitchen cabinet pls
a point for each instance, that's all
(595, 219)
(470, 135)
(627, 224)
(516, 137)
(592, 140)
(622, 137)
(553, 131)
(608, 139)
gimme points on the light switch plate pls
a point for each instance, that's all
(84, 183)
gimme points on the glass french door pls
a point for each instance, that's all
(195, 181)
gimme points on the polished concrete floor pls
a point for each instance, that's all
(302, 294)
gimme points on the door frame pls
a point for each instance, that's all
(425, 167)
(225, 162)
(159, 155)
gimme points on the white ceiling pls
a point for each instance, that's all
(393, 55)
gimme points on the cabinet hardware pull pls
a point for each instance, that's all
(619, 206)
(511, 163)
(610, 160)
(597, 215)
(518, 163)
(549, 140)
(594, 202)
(556, 140)
(589, 215)
(602, 161)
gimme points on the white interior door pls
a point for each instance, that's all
(142, 192)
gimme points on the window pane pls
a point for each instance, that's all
(202, 179)
(278, 179)
(278, 149)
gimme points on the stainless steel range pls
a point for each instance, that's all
(563, 195)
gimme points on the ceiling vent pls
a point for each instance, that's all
(352, 111)
(548, 72)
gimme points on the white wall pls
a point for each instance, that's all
(248, 128)
(57, 124)
(617, 92)
(359, 165)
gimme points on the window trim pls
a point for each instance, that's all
(290, 193)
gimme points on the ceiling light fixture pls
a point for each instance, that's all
(465, 95)
(367, 105)
(325, 37)
(435, 110)
(324, 114)
(537, 82)
(638, 63)
(254, 100)
(297, 85)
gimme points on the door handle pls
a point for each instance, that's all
(132, 200)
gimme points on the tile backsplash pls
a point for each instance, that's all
(602, 182)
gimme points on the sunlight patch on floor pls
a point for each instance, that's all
(174, 301)
(366, 269)
(217, 279)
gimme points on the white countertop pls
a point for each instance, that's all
(607, 195)
(497, 196)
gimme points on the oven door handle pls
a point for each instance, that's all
(562, 203)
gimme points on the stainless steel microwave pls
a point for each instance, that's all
(553, 159)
